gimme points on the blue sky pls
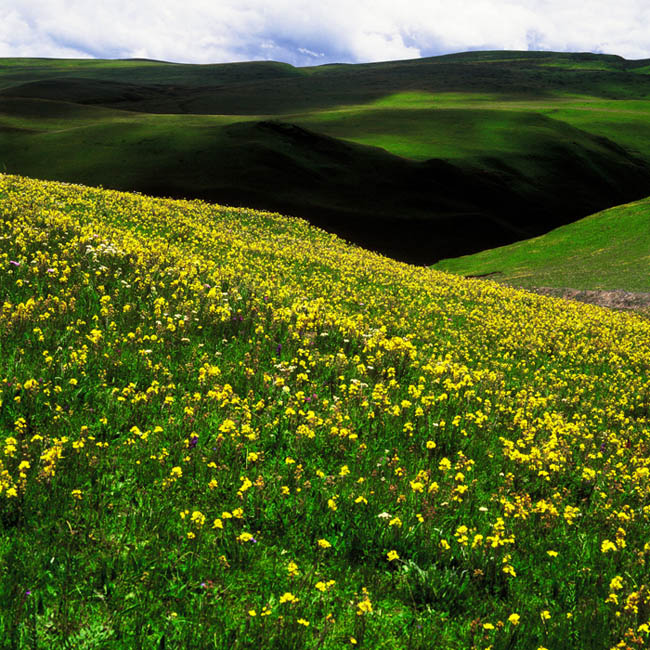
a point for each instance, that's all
(310, 33)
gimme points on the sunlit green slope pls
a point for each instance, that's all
(608, 250)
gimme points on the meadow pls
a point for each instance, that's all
(224, 428)
(609, 250)
(421, 160)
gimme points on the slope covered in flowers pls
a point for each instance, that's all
(224, 428)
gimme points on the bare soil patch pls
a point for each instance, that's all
(614, 299)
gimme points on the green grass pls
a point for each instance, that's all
(225, 429)
(422, 125)
(97, 145)
(471, 130)
(608, 250)
(422, 160)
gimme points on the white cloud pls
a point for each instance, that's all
(306, 32)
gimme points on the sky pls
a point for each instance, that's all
(311, 33)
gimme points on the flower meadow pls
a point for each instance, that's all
(222, 428)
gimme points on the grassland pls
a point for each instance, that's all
(609, 250)
(223, 428)
(423, 160)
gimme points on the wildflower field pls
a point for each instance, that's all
(222, 428)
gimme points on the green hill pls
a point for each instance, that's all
(608, 250)
(423, 160)
(222, 428)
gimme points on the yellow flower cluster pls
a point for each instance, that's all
(245, 369)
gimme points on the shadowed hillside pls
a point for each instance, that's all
(276, 88)
(421, 160)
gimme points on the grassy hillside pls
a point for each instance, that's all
(608, 250)
(240, 88)
(223, 428)
(422, 160)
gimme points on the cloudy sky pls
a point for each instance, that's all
(305, 32)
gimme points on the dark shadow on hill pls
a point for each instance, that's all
(414, 211)
(90, 92)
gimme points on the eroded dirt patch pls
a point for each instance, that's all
(615, 299)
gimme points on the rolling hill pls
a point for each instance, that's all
(422, 160)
